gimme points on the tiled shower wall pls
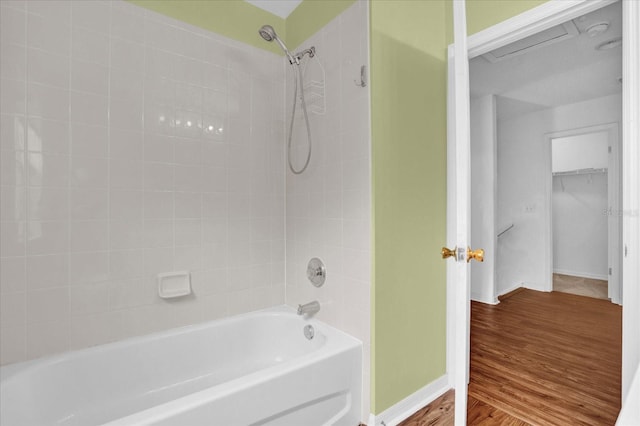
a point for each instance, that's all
(131, 145)
(329, 205)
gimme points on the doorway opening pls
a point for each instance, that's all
(559, 83)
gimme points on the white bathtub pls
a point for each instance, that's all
(254, 369)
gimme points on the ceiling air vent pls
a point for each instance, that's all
(536, 41)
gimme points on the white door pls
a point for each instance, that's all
(459, 201)
(528, 23)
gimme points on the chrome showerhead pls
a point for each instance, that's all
(269, 34)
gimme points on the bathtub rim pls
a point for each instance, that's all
(8, 371)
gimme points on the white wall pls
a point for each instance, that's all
(329, 205)
(483, 200)
(580, 222)
(111, 174)
(523, 167)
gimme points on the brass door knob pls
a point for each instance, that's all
(475, 254)
(448, 252)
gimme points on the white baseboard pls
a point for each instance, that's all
(479, 298)
(510, 289)
(414, 402)
(581, 274)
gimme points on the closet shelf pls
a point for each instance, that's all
(589, 171)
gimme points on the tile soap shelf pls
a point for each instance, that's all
(174, 284)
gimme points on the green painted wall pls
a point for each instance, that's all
(235, 19)
(240, 20)
(482, 14)
(408, 101)
(310, 16)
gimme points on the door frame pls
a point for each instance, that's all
(547, 15)
(613, 203)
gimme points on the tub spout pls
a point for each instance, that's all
(309, 308)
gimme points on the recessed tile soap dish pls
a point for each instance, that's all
(174, 284)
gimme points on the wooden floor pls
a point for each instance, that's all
(540, 359)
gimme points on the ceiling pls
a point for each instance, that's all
(281, 8)
(568, 71)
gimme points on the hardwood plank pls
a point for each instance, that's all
(549, 359)
(439, 412)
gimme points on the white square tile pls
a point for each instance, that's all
(12, 133)
(89, 140)
(48, 169)
(89, 299)
(126, 114)
(89, 109)
(47, 237)
(58, 12)
(89, 77)
(158, 205)
(158, 233)
(89, 236)
(13, 62)
(126, 25)
(13, 238)
(158, 148)
(126, 174)
(158, 260)
(126, 144)
(13, 348)
(47, 305)
(215, 205)
(13, 96)
(47, 68)
(127, 55)
(96, 329)
(130, 293)
(214, 153)
(126, 205)
(12, 274)
(188, 205)
(92, 15)
(47, 271)
(13, 309)
(47, 203)
(188, 178)
(12, 172)
(125, 235)
(125, 84)
(48, 34)
(214, 179)
(158, 176)
(48, 136)
(13, 26)
(126, 264)
(88, 267)
(90, 46)
(187, 232)
(188, 258)
(89, 204)
(188, 151)
(13, 203)
(47, 338)
(89, 172)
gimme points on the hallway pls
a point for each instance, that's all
(540, 358)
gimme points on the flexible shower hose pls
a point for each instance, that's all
(306, 119)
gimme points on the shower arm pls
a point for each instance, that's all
(310, 51)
